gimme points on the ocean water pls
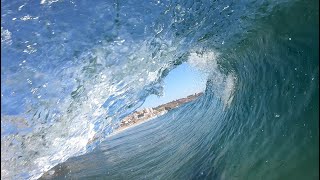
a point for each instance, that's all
(71, 70)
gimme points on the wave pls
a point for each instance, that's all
(66, 88)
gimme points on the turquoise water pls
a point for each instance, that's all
(258, 118)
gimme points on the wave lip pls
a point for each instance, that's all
(64, 86)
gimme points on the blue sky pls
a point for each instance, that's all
(180, 82)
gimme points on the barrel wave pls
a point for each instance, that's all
(71, 70)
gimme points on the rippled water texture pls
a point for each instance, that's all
(71, 70)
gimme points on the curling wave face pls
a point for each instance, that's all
(71, 70)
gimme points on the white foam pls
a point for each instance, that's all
(206, 61)
(28, 17)
(203, 60)
(6, 36)
(48, 1)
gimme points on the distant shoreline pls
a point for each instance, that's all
(144, 115)
(119, 130)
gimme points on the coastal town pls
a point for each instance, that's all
(150, 113)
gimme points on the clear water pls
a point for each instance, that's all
(71, 70)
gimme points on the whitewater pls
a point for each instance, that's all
(72, 70)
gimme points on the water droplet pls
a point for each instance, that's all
(51, 172)
(29, 81)
(225, 8)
